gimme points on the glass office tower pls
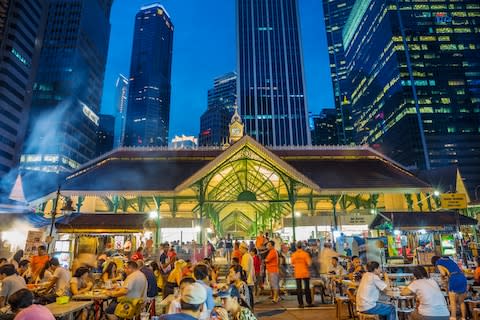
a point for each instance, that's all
(336, 13)
(271, 87)
(415, 72)
(121, 99)
(21, 30)
(214, 122)
(68, 88)
(148, 109)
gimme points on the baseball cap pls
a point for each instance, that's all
(228, 291)
(194, 294)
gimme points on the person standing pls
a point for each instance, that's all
(271, 264)
(301, 261)
(39, 261)
(457, 284)
(248, 267)
(229, 248)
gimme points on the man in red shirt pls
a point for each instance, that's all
(271, 264)
(301, 261)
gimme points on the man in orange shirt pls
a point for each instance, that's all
(271, 264)
(236, 252)
(38, 262)
(301, 261)
(260, 241)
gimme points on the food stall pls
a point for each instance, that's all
(414, 237)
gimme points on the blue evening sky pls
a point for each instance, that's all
(205, 47)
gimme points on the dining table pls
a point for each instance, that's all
(404, 304)
(67, 310)
(99, 297)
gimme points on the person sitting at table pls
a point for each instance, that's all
(158, 275)
(356, 269)
(11, 283)
(457, 283)
(337, 271)
(60, 281)
(23, 270)
(80, 284)
(192, 303)
(21, 303)
(237, 277)
(368, 293)
(134, 287)
(200, 273)
(152, 289)
(176, 305)
(174, 278)
(80, 281)
(232, 304)
(431, 303)
(111, 274)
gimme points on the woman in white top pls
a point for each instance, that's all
(432, 305)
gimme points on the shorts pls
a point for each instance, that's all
(273, 280)
(111, 307)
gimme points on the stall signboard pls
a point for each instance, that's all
(448, 245)
(453, 200)
(34, 239)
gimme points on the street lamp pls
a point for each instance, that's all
(155, 214)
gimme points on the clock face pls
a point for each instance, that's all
(236, 131)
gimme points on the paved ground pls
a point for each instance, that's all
(288, 309)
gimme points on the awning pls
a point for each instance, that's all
(420, 219)
(116, 223)
(34, 219)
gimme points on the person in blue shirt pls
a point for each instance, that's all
(200, 273)
(152, 289)
(457, 284)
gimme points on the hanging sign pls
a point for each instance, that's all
(453, 200)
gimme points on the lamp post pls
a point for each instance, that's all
(155, 214)
(68, 208)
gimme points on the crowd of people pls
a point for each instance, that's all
(200, 292)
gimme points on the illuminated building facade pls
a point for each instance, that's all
(68, 87)
(121, 99)
(105, 134)
(336, 13)
(415, 76)
(324, 130)
(271, 89)
(148, 109)
(214, 121)
(21, 31)
(184, 142)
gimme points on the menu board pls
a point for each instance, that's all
(34, 239)
(448, 244)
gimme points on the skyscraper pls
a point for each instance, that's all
(271, 87)
(215, 120)
(324, 130)
(21, 30)
(148, 109)
(121, 99)
(336, 13)
(415, 77)
(68, 87)
(105, 134)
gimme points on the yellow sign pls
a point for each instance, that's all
(453, 200)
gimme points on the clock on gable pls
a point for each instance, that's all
(235, 127)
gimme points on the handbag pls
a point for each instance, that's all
(127, 308)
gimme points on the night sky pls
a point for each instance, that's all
(205, 47)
